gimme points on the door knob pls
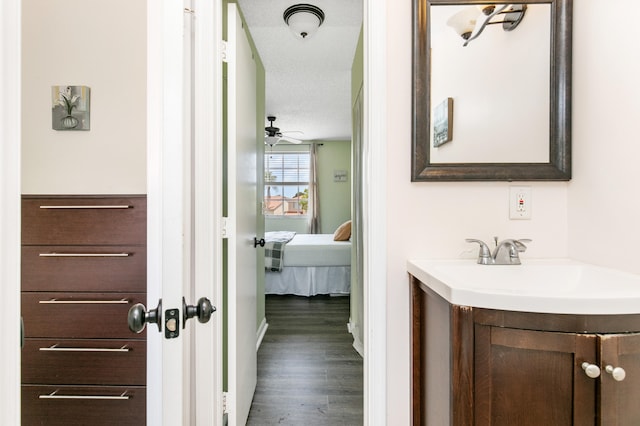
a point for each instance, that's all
(258, 242)
(139, 317)
(202, 310)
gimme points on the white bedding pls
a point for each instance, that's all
(313, 264)
(309, 280)
(317, 250)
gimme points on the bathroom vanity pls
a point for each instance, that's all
(504, 353)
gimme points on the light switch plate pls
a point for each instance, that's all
(520, 202)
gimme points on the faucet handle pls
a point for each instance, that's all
(519, 244)
(484, 255)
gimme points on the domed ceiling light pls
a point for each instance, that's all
(303, 19)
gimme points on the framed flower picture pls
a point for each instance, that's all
(70, 107)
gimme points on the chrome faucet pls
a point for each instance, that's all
(506, 252)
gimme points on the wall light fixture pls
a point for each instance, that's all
(471, 21)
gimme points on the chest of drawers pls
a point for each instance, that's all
(83, 267)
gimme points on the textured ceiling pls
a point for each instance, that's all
(308, 82)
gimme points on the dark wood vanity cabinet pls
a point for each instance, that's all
(83, 266)
(474, 366)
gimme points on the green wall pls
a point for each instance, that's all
(261, 116)
(357, 70)
(357, 282)
(335, 197)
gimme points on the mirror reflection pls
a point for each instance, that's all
(499, 84)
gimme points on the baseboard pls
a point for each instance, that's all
(357, 343)
(261, 332)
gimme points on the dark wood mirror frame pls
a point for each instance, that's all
(559, 166)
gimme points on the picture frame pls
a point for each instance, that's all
(70, 109)
(443, 122)
(340, 176)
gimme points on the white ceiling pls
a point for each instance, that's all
(308, 82)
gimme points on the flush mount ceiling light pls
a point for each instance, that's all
(303, 19)
(471, 21)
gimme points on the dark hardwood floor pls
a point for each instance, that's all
(308, 371)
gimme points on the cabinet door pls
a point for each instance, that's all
(619, 398)
(525, 377)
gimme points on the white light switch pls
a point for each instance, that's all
(519, 202)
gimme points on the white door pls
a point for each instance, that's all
(242, 186)
(165, 211)
(184, 248)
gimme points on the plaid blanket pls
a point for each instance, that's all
(274, 249)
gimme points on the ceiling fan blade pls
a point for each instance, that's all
(300, 132)
(288, 139)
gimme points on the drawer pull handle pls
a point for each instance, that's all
(54, 395)
(84, 302)
(56, 348)
(84, 254)
(124, 206)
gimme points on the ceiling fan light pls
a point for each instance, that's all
(271, 140)
(303, 19)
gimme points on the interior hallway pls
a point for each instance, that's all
(308, 371)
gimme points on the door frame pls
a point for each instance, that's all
(199, 177)
(374, 208)
(10, 137)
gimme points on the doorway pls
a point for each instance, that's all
(374, 205)
(262, 35)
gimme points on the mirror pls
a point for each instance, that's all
(499, 108)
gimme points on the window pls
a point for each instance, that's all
(286, 183)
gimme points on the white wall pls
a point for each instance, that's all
(100, 44)
(431, 220)
(604, 206)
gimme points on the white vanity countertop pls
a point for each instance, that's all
(560, 286)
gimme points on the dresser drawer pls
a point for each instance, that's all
(79, 315)
(84, 362)
(84, 268)
(84, 220)
(83, 405)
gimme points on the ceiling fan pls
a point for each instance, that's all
(273, 135)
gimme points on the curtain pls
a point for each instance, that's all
(314, 200)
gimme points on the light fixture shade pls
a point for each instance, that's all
(303, 19)
(464, 21)
(471, 21)
(271, 140)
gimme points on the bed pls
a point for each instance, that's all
(311, 264)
